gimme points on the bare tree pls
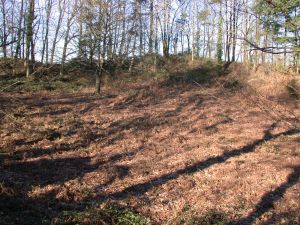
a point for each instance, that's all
(29, 37)
(61, 9)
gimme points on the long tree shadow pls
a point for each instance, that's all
(104, 136)
(268, 200)
(290, 216)
(18, 179)
(50, 101)
(16, 208)
(139, 189)
(53, 112)
(49, 171)
(214, 127)
(57, 171)
(35, 152)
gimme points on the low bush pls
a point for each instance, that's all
(110, 214)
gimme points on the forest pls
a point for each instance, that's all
(145, 112)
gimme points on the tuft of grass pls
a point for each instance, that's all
(210, 218)
(232, 84)
(213, 217)
(191, 217)
(270, 147)
(110, 214)
(292, 88)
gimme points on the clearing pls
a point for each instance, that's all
(171, 153)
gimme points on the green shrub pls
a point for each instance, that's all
(110, 214)
(210, 218)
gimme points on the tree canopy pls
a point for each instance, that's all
(282, 18)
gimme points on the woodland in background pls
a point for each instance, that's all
(197, 121)
(119, 32)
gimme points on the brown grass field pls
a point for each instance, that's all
(170, 153)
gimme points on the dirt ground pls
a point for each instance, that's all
(156, 149)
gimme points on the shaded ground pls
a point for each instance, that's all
(163, 151)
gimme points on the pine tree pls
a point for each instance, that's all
(281, 17)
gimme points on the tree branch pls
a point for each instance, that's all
(270, 49)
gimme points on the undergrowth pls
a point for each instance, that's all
(110, 214)
(18, 84)
(292, 88)
(117, 215)
(191, 217)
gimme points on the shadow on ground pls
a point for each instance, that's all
(18, 178)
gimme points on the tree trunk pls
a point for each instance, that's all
(45, 50)
(151, 28)
(188, 43)
(133, 54)
(98, 80)
(220, 36)
(257, 40)
(123, 36)
(139, 10)
(29, 37)
(4, 31)
(234, 29)
(66, 42)
(58, 26)
(175, 42)
(245, 44)
(19, 37)
(166, 48)
(193, 28)
(181, 41)
(204, 40)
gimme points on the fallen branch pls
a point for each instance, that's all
(11, 85)
(41, 69)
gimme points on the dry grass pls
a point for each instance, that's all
(176, 154)
(272, 84)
